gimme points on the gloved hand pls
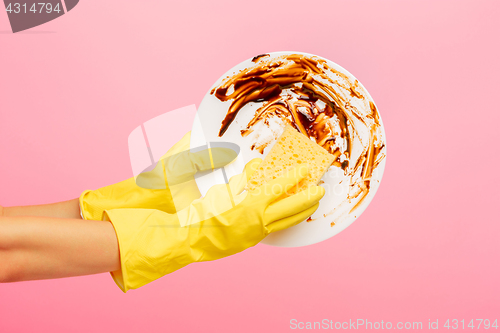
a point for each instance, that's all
(154, 243)
(151, 189)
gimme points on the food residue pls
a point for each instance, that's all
(325, 104)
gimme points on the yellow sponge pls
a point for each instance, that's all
(292, 149)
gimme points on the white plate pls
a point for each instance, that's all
(334, 207)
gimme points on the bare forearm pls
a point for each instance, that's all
(65, 209)
(33, 248)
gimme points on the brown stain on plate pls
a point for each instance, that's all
(315, 99)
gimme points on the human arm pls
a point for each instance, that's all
(34, 248)
(153, 243)
(65, 209)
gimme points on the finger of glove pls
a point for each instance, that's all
(212, 158)
(238, 182)
(294, 204)
(290, 221)
(182, 167)
(155, 178)
(279, 186)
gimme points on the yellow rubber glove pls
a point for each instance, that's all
(151, 189)
(153, 243)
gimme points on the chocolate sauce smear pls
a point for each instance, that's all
(317, 100)
(254, 59)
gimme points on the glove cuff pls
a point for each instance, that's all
(85, 207)
(118, 276)
(151, 244)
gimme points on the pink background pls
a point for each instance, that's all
(73, 89)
